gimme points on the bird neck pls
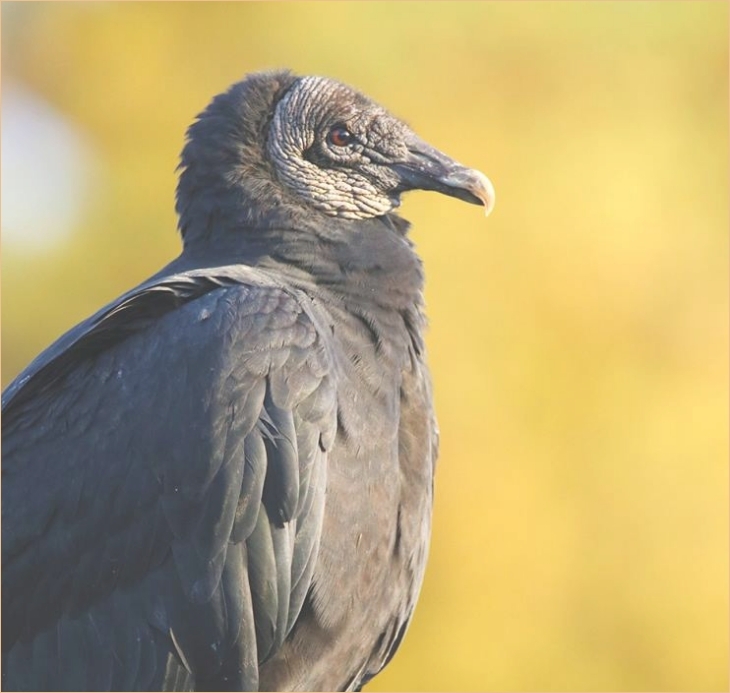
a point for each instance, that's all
(367, 264)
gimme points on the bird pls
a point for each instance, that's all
(223, 479)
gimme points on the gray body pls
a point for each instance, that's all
(223, 480)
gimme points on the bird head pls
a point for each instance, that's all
(276, 141)
(348, 157)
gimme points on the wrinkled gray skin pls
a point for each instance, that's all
(223, 479)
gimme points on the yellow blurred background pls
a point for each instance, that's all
(579, 336)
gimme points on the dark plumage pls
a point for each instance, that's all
(223, 479)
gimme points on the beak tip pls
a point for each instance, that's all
(471, 185)
(484, 190)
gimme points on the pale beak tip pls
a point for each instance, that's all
(485, 192)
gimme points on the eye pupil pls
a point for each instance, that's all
(340, 136)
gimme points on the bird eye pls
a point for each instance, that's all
(340, 136)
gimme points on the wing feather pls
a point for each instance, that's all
(163, 489)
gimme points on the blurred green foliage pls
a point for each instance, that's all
(579, 336)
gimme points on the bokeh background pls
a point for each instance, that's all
(579, 336)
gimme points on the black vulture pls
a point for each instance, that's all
(223, 479)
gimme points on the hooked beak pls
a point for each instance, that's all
(426, 168)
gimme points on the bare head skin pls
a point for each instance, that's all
(350, 158)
